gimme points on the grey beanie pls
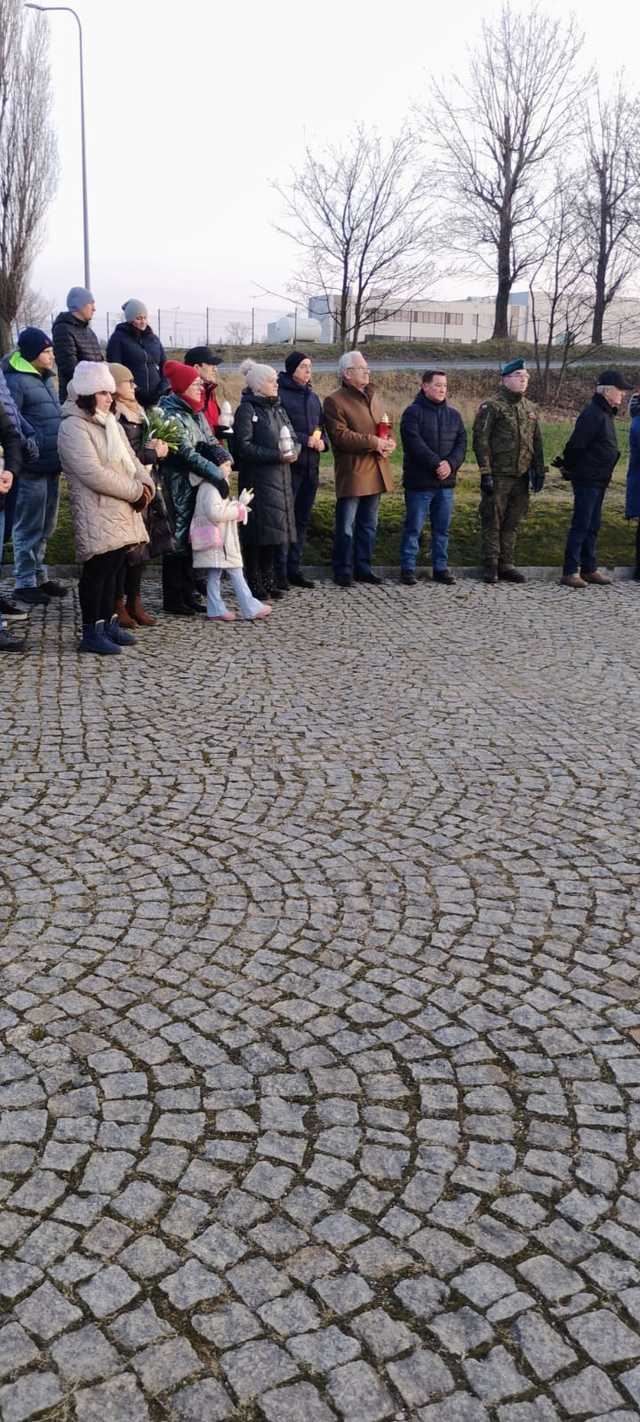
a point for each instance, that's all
(78, 297)
(133, 308)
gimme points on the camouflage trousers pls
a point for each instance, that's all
(500, 516)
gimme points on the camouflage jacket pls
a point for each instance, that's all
(507, 439)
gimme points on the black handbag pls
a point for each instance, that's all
(161, 539)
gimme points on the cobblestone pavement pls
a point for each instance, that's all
(320, 1067)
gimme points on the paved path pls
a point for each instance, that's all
(320, 1080)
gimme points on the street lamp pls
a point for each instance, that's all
(85, 206)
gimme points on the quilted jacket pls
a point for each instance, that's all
(102, 495)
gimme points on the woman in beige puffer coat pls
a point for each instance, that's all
(108, 489)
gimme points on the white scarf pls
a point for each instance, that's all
(118, 451)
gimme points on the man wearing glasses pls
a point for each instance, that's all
(361, 443)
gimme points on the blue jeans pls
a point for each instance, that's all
(580, 552)
(355, 535)
(216, 606)
(438, 504)
(34, 522)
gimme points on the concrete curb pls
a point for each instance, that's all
(535, 574)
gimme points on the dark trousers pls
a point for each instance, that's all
(259, 564)
(638, 547)
(580, 552)
(304, 488)
(178, 583)
(98, 586)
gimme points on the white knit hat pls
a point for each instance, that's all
(92, 376)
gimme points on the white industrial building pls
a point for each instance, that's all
(471, 320)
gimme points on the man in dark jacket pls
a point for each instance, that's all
(589, 459)
(434, 441)
(29, 374)
(134, 344)
(206, 362)
(9, 467)
(305, 412)
(73, 338)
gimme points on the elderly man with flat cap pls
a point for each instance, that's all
(507, 442)
(588, 460)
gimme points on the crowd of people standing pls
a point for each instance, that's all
(148, 453)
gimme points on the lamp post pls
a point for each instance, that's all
(85, 205)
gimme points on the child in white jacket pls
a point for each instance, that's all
(216, 547)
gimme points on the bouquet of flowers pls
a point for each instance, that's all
(164, 427)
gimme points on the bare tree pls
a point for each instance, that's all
(28, 159)
(559, 300)
(34, 309)
(496, 129)
(237, 333)
(359, 215)
(609, 202)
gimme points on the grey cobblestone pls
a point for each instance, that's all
(320, 1047)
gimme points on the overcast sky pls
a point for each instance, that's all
(193, 108)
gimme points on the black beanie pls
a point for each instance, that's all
(32, 342)
(294, 360)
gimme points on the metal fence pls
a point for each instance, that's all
(180, 329)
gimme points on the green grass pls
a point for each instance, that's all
(430, 350)
(541, 539)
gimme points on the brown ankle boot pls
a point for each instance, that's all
(124, 619)
(137, 611)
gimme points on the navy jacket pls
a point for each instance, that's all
(591, 452)
(36, 399)
(73, 340)
(143, 354)
(305, 413)
(431, 430)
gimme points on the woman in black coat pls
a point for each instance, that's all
(263, 455)
(134, 344)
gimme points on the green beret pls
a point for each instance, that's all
(513, 365)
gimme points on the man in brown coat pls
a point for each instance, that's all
(352, 415)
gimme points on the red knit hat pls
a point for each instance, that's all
(179, 375)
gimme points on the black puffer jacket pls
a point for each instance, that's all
(431, 430)
(143, 354)
(591, 452)
(73, 340)
(256, 432)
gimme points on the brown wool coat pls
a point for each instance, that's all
(351, 417)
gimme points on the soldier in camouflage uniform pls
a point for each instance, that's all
(507, 442)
